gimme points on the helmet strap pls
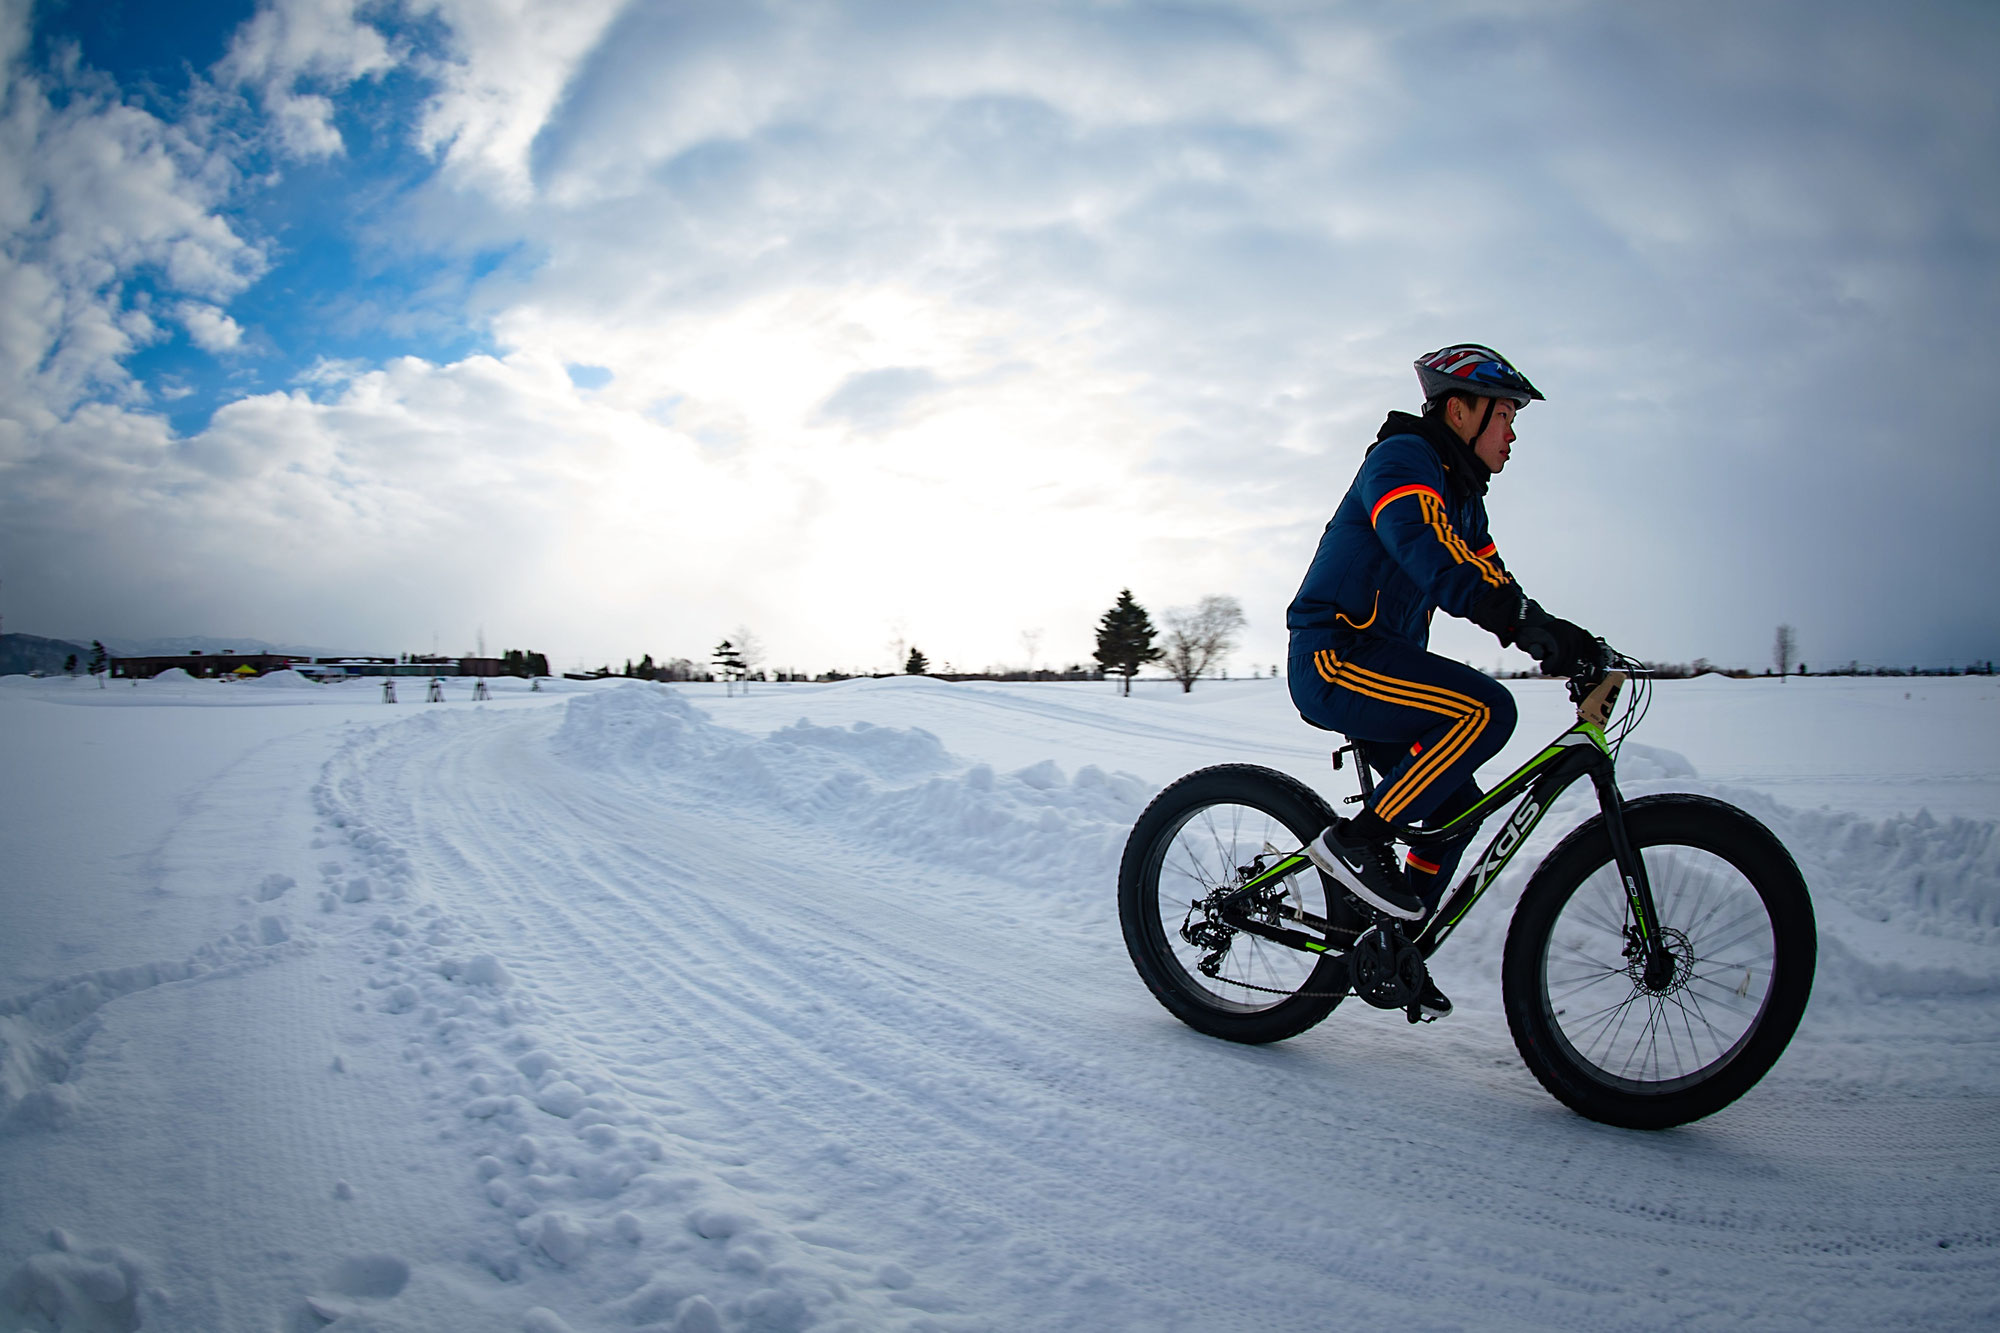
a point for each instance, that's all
(1485, 420)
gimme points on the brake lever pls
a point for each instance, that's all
(1583, 682)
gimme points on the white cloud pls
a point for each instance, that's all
(211, 329)
(966, 317)
(288, 48)
(93, 194)
(510, 62)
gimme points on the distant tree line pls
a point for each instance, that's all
(1701, 666)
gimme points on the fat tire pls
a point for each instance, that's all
(1673, 820)
(1260, 1018)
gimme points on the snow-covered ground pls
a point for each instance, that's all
(621, 1006)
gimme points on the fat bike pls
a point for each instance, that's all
(1657, 964)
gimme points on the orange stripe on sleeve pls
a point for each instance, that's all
(1376, 513)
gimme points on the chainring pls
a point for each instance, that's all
(1388, 971)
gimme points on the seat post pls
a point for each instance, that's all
(1361, 771)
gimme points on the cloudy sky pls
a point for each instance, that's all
(603, 327)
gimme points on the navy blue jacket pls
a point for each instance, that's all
(1409, 537)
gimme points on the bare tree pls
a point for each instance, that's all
(751, 650)
(1199, 637)
(1783, 648)
(1031, 639)
(899, 643)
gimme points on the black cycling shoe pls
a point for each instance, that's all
(1433, 1004)
(1368, 870)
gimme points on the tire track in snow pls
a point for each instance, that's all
(654, 1221)
(738, 1036)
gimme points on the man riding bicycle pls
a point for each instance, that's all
(1409, 537)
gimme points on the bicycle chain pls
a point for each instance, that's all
(1307, 994)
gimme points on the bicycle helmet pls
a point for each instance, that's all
(1472, 369)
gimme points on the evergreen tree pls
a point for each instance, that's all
(69, 665)
(1125, 639)
(728, 660)
(518, 662)
(918, 664)
(100, 660)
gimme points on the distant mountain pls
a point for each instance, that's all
(23, 653)
(187, 643)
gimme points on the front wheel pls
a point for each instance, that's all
(1649, 1048)
(1200, 839)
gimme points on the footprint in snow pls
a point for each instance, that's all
(355, 1290)
(83, 1287)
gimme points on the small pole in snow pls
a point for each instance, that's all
(535, 685)
(479, 690)
(388, 689)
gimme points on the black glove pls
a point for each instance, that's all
(1562, 648)
(1500, 611)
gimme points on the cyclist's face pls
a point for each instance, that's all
(1496, 442)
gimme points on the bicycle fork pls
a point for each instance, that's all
(1644, 936)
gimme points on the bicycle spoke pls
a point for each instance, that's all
(1207, 854)
(1608, 914)
(1718, 932)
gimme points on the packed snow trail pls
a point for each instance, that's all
(959, 1064)
(602, 1015)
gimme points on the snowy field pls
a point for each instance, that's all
(624, 1007)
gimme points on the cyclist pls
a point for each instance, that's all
(1411, 537)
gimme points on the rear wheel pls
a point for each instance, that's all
(1649, 1047)
(1200, 838)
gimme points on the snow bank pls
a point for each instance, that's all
(892, 787)
(282, 680)
(1937, 878)
(635, 726)
(898, 789)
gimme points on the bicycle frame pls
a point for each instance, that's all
(1582, 750)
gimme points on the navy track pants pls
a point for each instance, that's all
(1426, 724)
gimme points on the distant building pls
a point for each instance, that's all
(322, 668)
(202, 664)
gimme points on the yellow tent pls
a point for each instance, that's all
(245, 670)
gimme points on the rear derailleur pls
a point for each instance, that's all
(1212, 923)
(1207, 934)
